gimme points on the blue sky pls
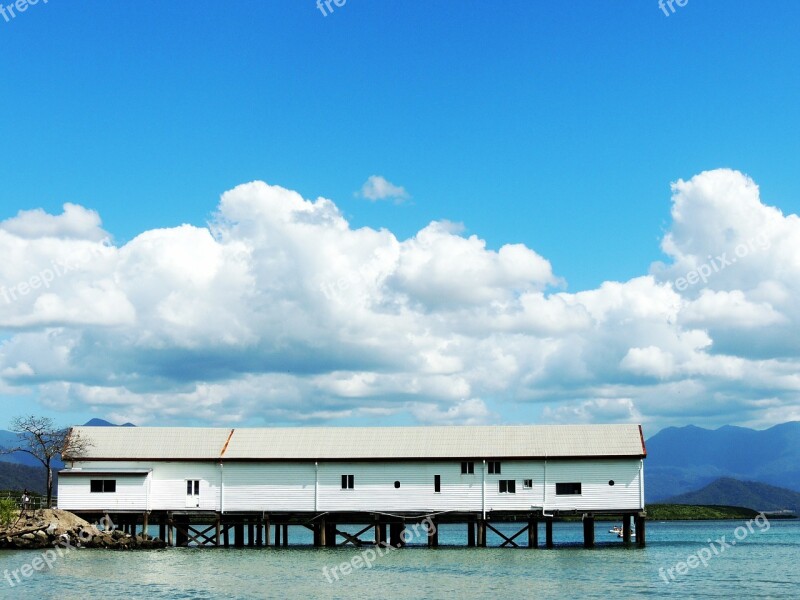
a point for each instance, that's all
(559, 126)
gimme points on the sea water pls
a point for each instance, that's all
(760, 563)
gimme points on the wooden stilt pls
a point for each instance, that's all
(533, 533)
(481, 533)
(640, 531)
(588, 531)
(471, 534)
(226, 534)
(626, 529)
(170, 535)
(266, 530)
(162, 527)
(251, 534)
(182, 538)
(379, 534)
(278, 530)
(548, 532)
(433, 534)
(238, 534)
(396, 534)
(285, 535)
(259, 531)
(145, 523)
(330, 535)
(322, 536)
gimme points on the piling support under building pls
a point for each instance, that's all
(640, 531)
(533, 533)
(213, 529)
(588, 531)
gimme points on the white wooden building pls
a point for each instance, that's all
(470, 469)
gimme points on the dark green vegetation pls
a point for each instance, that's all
(19, 477)
(683, 512)
(749, 494)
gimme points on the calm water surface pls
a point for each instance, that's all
(764, 564)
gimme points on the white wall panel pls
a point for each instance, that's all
(290, 486)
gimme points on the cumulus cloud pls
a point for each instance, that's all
(280, 312)
(377, 187)
(76, 222)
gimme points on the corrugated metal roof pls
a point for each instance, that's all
(153, 442)
(367, 443)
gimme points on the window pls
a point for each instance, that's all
(494, 467)
(100, 486)
(568, 489)
(192, 487)
(507, 486)
(467, 468)
(397, 485)
(437, 483)
(348, 482)
(527, 483)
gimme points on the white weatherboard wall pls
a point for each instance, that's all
(131, 494)
(164, 489)
(269, 486)
(594, 477)
(168, 491)
(374, 486)
(303, 487)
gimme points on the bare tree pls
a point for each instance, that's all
(39, 437)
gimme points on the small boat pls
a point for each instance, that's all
(616, 529)
(633, 534)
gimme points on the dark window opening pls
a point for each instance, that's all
(527, 483)
(568, 489)
(396, 485)
(348, 482)
(192, 487)
(99, 486)
(494, 467)
(507, 486)
(437, 483)
(467, 468)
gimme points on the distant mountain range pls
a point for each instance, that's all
(103, 423)
(749, 494)
(685, 459)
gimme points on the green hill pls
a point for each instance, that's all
(684, 512)
(750, 494)
(19, 477)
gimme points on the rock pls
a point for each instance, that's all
(28, 536)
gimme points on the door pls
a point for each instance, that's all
(192, 493)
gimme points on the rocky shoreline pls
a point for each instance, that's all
(48, 528)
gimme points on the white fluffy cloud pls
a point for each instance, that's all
(280, 312)
(377, 187)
